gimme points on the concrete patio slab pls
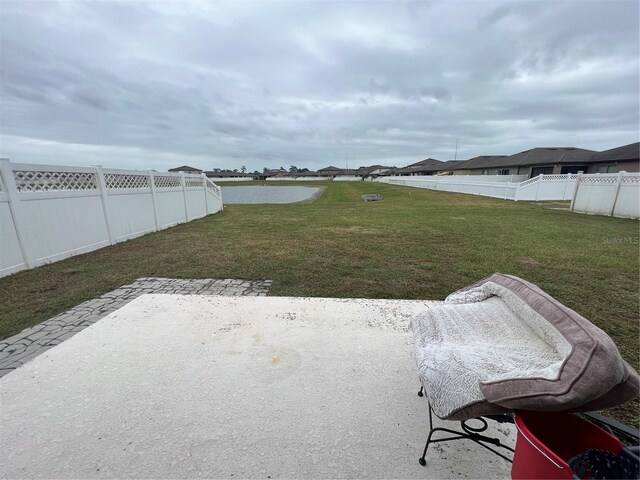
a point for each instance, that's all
(18, 349)
(174, 386)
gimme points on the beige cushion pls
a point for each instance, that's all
(593, 376)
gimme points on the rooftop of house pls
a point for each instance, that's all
(227, 173)
(426, 163)
(548, 155)
(185, 168)
(623, 153)
(373, 168)
(481, 161)
(448, 164)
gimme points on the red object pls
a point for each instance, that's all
(547, 440)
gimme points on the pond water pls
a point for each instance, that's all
(265, 194)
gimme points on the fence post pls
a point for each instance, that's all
(615, 198)
(575, 190)
(515, 195)
(184, 196)
(154, 200)
(102, 188)
(204, 188)
(9, 183)
(540, 177)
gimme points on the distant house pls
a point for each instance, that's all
(625, 158)
(533, 162)
(299, 173)
(345, 172)
(482, 164)
(328, 172)
(275, 173)
(449, 166)
(429, 166)
(272, 173)
(328, 169)
(185, 169)
(374, 171)
(228, 174)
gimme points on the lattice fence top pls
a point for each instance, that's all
(118, 181)
(529, 182)
(563, 176)
(166, 181)
(193, 182)
(213, 188)
(41, 181)
(634, 178)
(604, 179)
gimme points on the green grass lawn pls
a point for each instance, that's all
(414, 244)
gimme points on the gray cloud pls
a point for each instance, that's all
(148, 85)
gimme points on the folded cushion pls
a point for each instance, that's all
(504, 344)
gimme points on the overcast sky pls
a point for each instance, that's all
(161, 84)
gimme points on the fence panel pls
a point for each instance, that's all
(628, 202)
(50, 212)
(62, 226)
(196, 207)
(170, 207)
(129, 203)
(608, 194)
(130, 214)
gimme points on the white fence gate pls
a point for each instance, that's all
(51, 212)
(616, 194)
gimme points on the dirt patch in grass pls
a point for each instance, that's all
(530, 262)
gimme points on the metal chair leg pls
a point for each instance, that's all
(468, 432)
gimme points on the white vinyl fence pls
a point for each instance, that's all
(230, 179)
(51, 212)
(295, 179)
(508, 187)
(614, 194)
(347, 178)
(319, 178)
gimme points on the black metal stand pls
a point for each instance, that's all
(468, 432)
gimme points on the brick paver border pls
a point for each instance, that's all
(31, 342)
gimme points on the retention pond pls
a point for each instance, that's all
(254, 194)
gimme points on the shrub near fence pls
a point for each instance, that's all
(50, 212)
